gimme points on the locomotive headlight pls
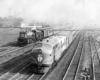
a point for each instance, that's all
(40, 58)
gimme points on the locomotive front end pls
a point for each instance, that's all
(42, 55)
(37, 57)
(22, 39)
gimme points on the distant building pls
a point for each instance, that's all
(10, 22)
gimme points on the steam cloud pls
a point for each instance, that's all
(53, 11)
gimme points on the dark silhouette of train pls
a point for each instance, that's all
(27, 37)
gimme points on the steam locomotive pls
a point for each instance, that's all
(27, 37)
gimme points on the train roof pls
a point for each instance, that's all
(49, 43)
(53, 40)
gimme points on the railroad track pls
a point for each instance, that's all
(7, 49)
(23, 74)
(59, 71)
(10, 54)
(95, 59)
(71, 71)
(21, 70)
(85, 67)
(79, 67)
(27, 74)
(35, 76)
(3, 49)
(15, 71)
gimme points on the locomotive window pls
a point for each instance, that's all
(22, 35)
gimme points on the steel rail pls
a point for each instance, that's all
(3, 76)
(75, 60)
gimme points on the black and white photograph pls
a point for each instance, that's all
(49, 39)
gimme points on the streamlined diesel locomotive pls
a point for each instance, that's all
(48, 51)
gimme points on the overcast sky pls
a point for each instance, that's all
(53, 11)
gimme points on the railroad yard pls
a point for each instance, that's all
(49, 40)
(79, 61)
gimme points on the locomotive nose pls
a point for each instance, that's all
(37, 55)
(39, 58)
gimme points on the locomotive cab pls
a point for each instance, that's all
(22, 39)
(22, 34)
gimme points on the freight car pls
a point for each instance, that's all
(34, 35)
(48, 51)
